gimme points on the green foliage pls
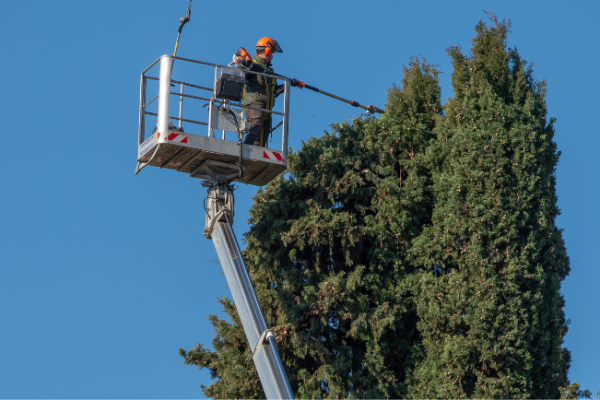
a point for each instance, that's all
(573, 391)
(230, 362)
(327, 244)
(414, 255)
(490, 264)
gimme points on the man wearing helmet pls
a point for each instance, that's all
(260, 91)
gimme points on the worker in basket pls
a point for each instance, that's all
(260, 91)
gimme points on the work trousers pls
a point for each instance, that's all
(260, 125)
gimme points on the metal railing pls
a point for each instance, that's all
(164, 92)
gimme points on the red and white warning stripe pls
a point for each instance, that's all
(272, 155)
(175, 137)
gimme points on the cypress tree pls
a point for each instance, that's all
(414, 255)
(327, 251)
(491, 263)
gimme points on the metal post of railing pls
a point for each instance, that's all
(164, 87)
(224, 105)
(142, 125)
(211, 105)
(286, 112)
(180, 106)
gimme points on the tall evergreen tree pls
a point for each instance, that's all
(491, 263)
(414, 255)
(327, 254)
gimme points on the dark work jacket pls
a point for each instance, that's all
(261, 89)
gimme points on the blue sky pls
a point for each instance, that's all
(104, 275)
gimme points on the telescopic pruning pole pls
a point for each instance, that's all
(242, 56)
(370, 109)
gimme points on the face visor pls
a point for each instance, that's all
(276, 48)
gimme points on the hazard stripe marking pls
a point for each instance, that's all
(272, 155)
(176, 137)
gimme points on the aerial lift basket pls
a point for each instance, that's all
(207, 156)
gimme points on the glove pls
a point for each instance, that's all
(297, 83)
(255, 67)
(245, 62)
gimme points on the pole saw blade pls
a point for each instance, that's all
(182, 21)
(186, 19)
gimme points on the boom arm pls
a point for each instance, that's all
(261, 339)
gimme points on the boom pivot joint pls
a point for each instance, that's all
(219, 204)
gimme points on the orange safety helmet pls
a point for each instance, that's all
(270, 45)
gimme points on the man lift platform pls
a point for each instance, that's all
(219, 162)
(169, 147)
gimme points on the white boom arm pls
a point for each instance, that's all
(261, 339)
